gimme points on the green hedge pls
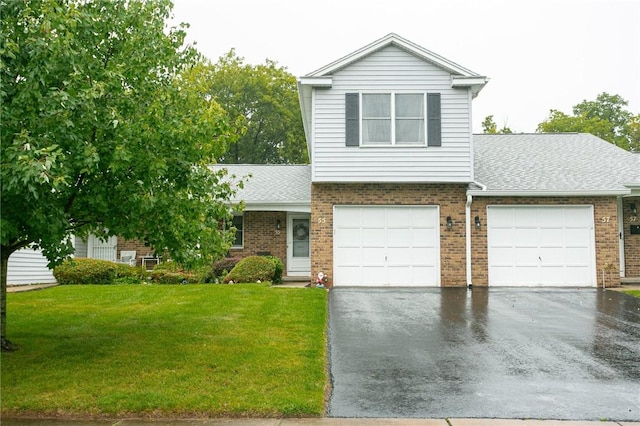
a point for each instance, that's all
(277, 275)
(252, 269)
(85, 271)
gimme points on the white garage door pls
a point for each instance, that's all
(541, 246)
(386, 246)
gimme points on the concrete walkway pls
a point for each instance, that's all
(28, 287)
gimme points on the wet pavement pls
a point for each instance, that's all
(487, 353)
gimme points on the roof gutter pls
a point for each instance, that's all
(511, 193)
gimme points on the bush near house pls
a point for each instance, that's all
(221, 268)
(173, 273)
(277, 275)
(81, 270)
(252, 269)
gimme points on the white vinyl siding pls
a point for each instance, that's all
(541, 246)
(391, 70)
(28, 266)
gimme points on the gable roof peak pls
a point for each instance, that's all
(393, 39)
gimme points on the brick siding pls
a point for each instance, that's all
(261, 235)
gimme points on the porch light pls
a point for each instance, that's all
(449, 222)
(278, 224)
(477, 221)
(634, 209)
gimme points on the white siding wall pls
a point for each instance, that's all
(28, 266)
(394, 70)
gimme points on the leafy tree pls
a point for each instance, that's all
(489, 126)
(264, 100)
(103, 132)
(604, 117)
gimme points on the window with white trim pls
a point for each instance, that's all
(238, 224)
(393, 118)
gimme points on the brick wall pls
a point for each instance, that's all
(631, 242)
(450, 198)
(138, 246)
(606, 232)
(261, 235)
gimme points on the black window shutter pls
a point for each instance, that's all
(352, 119)
(434, 120)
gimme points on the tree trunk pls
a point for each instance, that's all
(7, 346)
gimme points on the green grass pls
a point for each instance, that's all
(177, 351)
(635, 293)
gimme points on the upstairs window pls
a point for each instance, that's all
(383, 119)
(393, 119)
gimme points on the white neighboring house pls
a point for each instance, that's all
(29, 266)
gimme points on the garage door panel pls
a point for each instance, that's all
(372, 238)
(552, 237)
(578, 236)
(550, 217)
(373, 256)
(386, 245)
(577, 256)
(424, 237)
(526, 256)
(398, 218)
(399, 238)
(349, 237)
(372, 275)
(526, 237)
(424, 256)
(349, 256)
(374, 218)
(551, 245)
(502, 237)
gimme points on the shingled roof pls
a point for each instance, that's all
(272, 186)
(547, 163)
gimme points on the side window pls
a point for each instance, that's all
(238, 223)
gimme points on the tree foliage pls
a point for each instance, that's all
(263, 99)
(489, 126)
(103, 131)
(605, 117)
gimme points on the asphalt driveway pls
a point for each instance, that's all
(497, 353)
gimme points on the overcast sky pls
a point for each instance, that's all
(538, 54)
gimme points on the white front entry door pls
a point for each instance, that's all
(386, 246)
(541, 246)
(298, 245)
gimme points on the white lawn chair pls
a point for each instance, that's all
(128, 257)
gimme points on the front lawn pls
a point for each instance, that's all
(177, 351)
(635, 293)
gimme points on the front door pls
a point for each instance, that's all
(298, 250)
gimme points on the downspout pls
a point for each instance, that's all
(468, 232)
(468, 238)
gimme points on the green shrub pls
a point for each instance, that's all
(220, 269)
(85, 271)
(277, 275)
(173, 273)
(128, 274)
(252, 269)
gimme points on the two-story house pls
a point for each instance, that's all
(400, 192)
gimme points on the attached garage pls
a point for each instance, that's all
(386, 246)
(541, 246)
